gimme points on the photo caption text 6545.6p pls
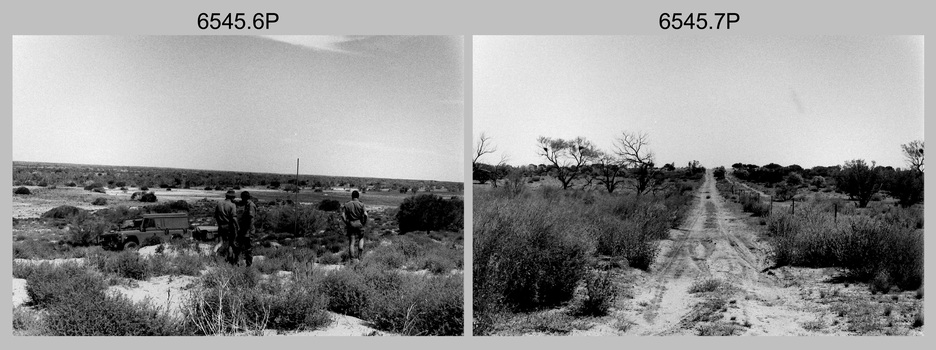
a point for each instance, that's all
(236, 20)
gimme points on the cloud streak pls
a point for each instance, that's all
(331, 43)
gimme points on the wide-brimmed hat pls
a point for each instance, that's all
(230, 194)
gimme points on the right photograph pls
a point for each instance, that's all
(698, 185)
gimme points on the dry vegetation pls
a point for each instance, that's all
(409, 283)
(541, 255)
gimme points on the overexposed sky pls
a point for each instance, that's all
(807, 100)
(383, 106)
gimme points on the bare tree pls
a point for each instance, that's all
(632, 148)
(568, 156)
(483, 147)
(484, 172)
(913, 151)
(609, 169)
(501, 170)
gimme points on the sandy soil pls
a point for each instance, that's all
(714, 243)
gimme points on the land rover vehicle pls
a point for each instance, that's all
(165, 227)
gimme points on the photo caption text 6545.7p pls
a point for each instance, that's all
(236, 20)
(677, 20)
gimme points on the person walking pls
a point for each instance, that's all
(225, 215)
(354, 216)
(243, 243)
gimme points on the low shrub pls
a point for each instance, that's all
(282, 219)
(126, 264)
(48, 285)
(85, 229)
(21, 190)
(28, 321)
(99, 201)
(529, 253)
(180, 205)
(148, 197)
(754, 205)
(62, 212)
(706, 286)
(109, 315)
(329, 205)
(347, 292)
(232, 299)
(600, 295)
(92, 186)
(872, 249)
(39, 249)
(418, 306)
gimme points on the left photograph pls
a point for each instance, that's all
(238, 185)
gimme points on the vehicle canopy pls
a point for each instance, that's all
(165, 221)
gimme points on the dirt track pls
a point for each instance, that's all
(714, 243)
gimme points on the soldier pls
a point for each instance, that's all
(354, 217)
(225, 215)
(243, 243)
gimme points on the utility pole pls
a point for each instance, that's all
(296, 205)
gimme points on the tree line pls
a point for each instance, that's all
(858, 179)
(629, 163)
(56, 174)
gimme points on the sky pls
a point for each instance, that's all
(806, 100)
(383, 106)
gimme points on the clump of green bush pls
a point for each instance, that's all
(99, 201)
(62, 212)
(22, 190)
(76, 304)
(242, 301)
(754, 205)
(600, 294)
(148, 197)
(420, 306)
(329, 205)
(871, 248)
(529, 253)
(283, 219)
(347, 292)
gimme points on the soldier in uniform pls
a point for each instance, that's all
(225, 215)
(354, 217)
(243, 243)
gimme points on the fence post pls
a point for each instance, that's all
(793, 207)
(770, 210)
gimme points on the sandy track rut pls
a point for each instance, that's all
(714, 243)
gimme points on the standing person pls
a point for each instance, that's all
(246, 234)
(225, 215)
(354, 217)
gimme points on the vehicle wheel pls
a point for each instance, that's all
(130, 245)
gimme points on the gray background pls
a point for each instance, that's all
(462, 18)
